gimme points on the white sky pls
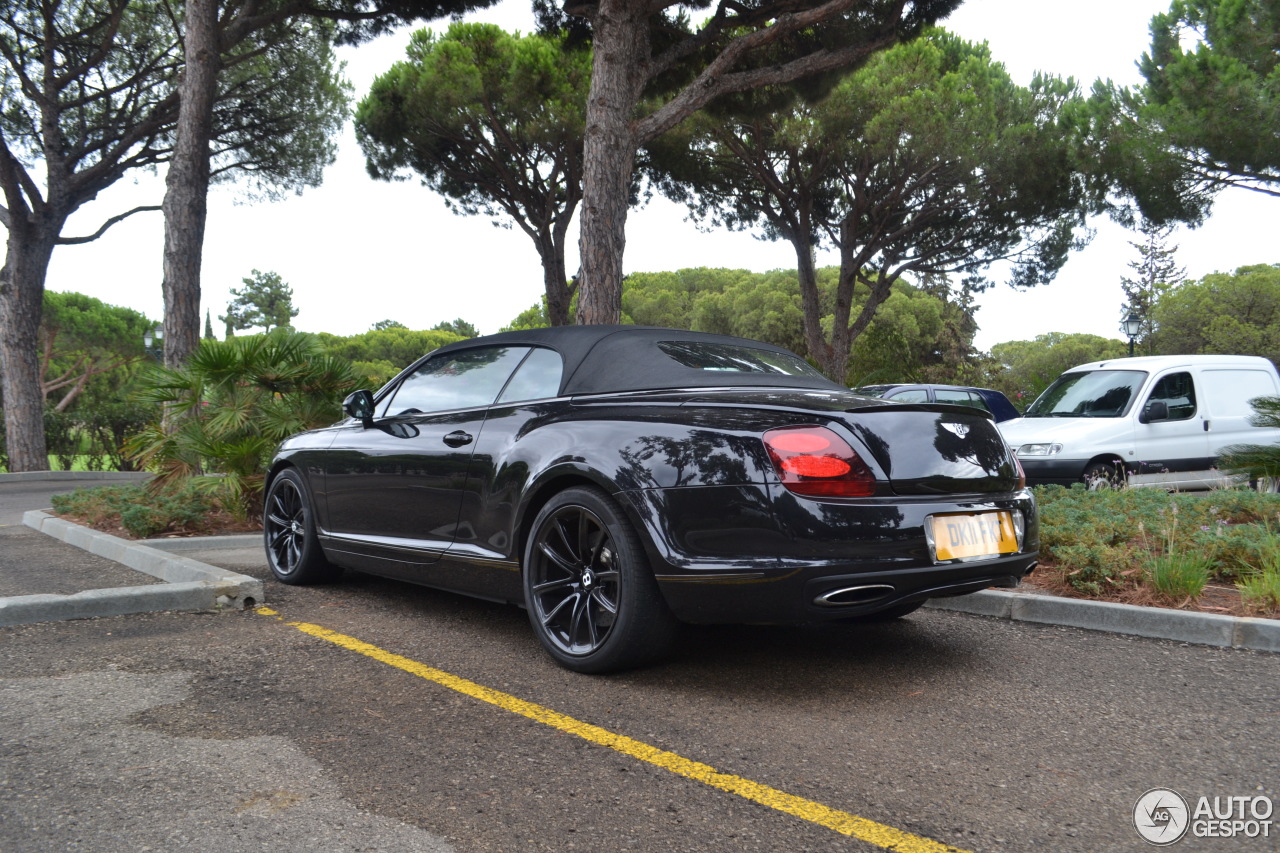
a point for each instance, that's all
(357, 251)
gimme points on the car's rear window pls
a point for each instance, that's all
(705, 355)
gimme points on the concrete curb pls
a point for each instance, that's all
(1204, 629)
(73, 475)
(191, 584)
(178, 545)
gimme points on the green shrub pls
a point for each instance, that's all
(141, 511)
(1105, 540)
(61, 439)
(1236, 550)
(108, 424)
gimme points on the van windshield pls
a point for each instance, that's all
(1089, 394)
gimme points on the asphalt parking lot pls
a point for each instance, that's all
(373, 715)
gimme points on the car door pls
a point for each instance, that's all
(394, 487)
(1178, 442)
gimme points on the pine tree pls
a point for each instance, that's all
(1156, 272)
(208, 325)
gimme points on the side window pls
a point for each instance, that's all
(1177, 391)
(961, 398)
(536, 379)
(457, 380)
(911, 395)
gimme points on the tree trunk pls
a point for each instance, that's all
(554, 282)
(21, 304)
(811, 301)
(845, 331)
(187, 184)
(621, 49)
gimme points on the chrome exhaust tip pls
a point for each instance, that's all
(850, 595)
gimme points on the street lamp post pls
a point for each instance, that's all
(1131, 325)
(153, 341)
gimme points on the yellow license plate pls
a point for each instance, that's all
(959, 536)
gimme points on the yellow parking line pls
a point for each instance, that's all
(846, 824)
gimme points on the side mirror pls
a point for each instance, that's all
(1156, 410)
(359, 405)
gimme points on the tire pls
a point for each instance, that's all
(1103, 475)
(289, 533)
(591, 596)
(1267, 485)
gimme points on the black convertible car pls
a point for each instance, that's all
(617, 480)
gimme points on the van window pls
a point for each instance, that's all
(1178, 392)
(1228, 392)
(1088, 394)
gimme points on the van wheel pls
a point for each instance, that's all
(1103, 475)
(1267, 485)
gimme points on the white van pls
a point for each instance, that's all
(1153, 421)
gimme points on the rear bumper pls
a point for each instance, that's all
(727, 554)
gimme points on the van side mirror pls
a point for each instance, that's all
(1156, 410)
(359, 405)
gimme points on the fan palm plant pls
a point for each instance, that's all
(220, 418)
(1261, 462)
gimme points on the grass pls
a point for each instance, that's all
(1261, 591)
(79, 462)
(1178, 576)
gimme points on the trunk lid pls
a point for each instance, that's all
(931, 449)
(923, 448)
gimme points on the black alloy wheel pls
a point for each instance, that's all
(288, 532)
(591, 596)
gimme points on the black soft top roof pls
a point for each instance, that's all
(606, 359)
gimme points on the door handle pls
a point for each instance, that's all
(1206, 426)
(458, 438)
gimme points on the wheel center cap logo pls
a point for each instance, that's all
(588, 578)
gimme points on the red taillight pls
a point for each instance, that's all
(814, 461)
(1022, 474)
